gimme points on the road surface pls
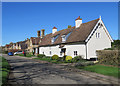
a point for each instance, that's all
(30, 71)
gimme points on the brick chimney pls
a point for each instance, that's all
(54, 30)
(78, 22)
(42, 32)
(38, 33)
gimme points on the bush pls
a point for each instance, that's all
(5, 52)
(109, 57)
(77, 58)
(31, 53)
(40, 55)
(68, 58)
(55, 57)
(82, 64)
(108, 49)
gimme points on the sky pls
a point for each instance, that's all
(22, 20)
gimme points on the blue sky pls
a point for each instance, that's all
(22, 20)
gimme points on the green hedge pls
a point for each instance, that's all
(110, 57)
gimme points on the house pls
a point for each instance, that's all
(82, 39)
(21, 45)
(34, 41)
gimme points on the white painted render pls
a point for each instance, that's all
(54, 30)
(78, 23)
(96, 43)
(80, 48)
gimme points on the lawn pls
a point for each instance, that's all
(27, 55)
(4, 70)
(46, 59)
(101, 69)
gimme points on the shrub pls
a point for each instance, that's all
(108, 49)
(55, 57)
(6, 52)
(77, 58)
(68, 58)
(110, 57)
(40, 55)
(82, 64)
(31, 53)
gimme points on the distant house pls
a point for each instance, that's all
(33, 42)
(82, 39)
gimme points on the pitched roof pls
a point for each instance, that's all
(77, 34)
(35, 40)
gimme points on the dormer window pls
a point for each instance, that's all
(65, 37)
(53, 39)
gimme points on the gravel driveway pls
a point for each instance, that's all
(30, 71)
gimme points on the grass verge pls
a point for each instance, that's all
(101, 69)
(4, 70)
(46, 59)
(27, 55)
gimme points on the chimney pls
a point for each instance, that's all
(38, 33)
(42, 32)
(54, 30)
(78, 22)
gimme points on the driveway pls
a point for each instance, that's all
(29, 71)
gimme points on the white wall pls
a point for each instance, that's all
(80, 48)
(97, 43)
(47, 49)
(54, 30)
(78, 23)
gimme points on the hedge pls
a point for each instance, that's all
(109, 57)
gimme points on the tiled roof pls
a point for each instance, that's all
(35, 40)
(78, 34)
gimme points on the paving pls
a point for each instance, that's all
(30, 71)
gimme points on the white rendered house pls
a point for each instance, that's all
(82, 39)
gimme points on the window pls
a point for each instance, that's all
(64, 37)
(50, 52)
(61, 53)
(75, 53)
(53, 39)
(97, 35)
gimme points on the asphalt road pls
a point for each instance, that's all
(29, 71)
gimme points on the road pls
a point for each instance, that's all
(30, 71)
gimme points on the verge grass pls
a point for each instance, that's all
(101, 69)
(4, 70)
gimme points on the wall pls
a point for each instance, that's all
(80, 48)
(98, 43)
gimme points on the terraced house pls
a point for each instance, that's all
(82, 39)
